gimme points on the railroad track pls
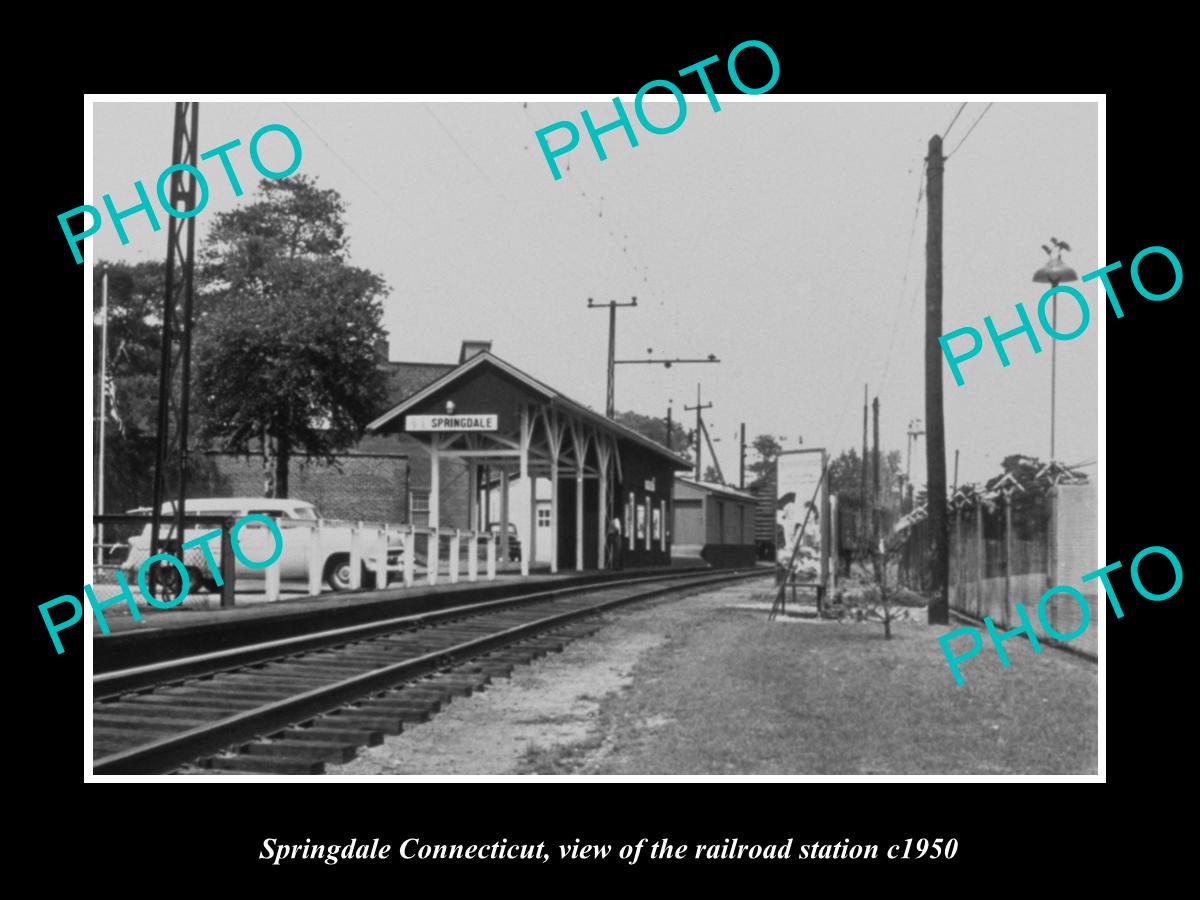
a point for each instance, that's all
(291, 705)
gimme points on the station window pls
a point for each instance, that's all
(543, 517)
(418, 508)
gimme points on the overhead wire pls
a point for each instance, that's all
(370, 187)
(946, 133)
(969, 130)
(904, 281)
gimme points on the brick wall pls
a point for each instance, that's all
(367, 487)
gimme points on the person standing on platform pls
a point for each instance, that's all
(614, 544)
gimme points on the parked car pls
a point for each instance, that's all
(514, 542)
(295, 519)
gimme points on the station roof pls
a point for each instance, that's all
(485, 358)
(714, 488)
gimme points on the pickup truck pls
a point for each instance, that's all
(295, 519)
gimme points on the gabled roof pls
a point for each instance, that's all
(406, 378)
(533, 385)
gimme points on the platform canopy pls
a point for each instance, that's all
(488, 412)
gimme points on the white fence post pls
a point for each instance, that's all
(410, 554)
(271, 585)
(315, 558)
(491, 557)
(381, 548)
(472, 556)
(356, 556)
(432, 560)
(455, 545)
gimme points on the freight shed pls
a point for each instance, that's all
(714, 522)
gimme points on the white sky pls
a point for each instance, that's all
(771, 233)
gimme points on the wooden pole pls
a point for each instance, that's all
(939, 606)
(862, 525)
(875, 483)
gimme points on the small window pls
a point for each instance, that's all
(543, 517)
(418, 508)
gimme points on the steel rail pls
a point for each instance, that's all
(110, 685)
(174, 750)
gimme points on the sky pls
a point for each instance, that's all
(784, 237)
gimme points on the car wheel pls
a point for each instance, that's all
(337, 572)
(166, 582)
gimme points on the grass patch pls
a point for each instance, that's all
(748, 697)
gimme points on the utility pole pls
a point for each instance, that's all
(862, 528)
(875, 482)
(181, 242)
(699, 429)
(713, 451)
(103, 409)
(612, 305)
(742, 471)
(670, 423)
(935, 449)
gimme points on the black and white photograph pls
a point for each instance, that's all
(691, 435)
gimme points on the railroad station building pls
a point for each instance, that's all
(498, 441)
(472, 444)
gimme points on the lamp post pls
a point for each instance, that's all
(1054, 273)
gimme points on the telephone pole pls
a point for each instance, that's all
(612, 305)
(875, 482)
(935, 447)
(670, 423)
(699, 429)
(862, 526)
(742, 470)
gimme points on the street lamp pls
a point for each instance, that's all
(1054, 273)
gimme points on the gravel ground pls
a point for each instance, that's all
(705, 685)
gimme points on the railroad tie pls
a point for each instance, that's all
(280, 765)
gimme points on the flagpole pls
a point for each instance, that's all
(103, 408)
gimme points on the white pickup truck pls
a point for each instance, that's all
(295, 519)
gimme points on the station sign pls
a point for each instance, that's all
(484, 422)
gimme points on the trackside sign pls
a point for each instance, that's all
(487, 422)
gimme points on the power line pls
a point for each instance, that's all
(904, 281)
(619, 243)
(952, 121)
(969, 130)
(463, 151)
(370, 187)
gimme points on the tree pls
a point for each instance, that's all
(287, 333)
(655, 429)
(1030, 510)
(711, 474)
(767, 449)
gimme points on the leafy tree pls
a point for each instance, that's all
(656, 429)
(711, 475)
(766, 449)
(1030, 508)
(286, 351)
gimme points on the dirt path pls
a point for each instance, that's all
(704, 685)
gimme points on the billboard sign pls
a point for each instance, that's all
(798, 472)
